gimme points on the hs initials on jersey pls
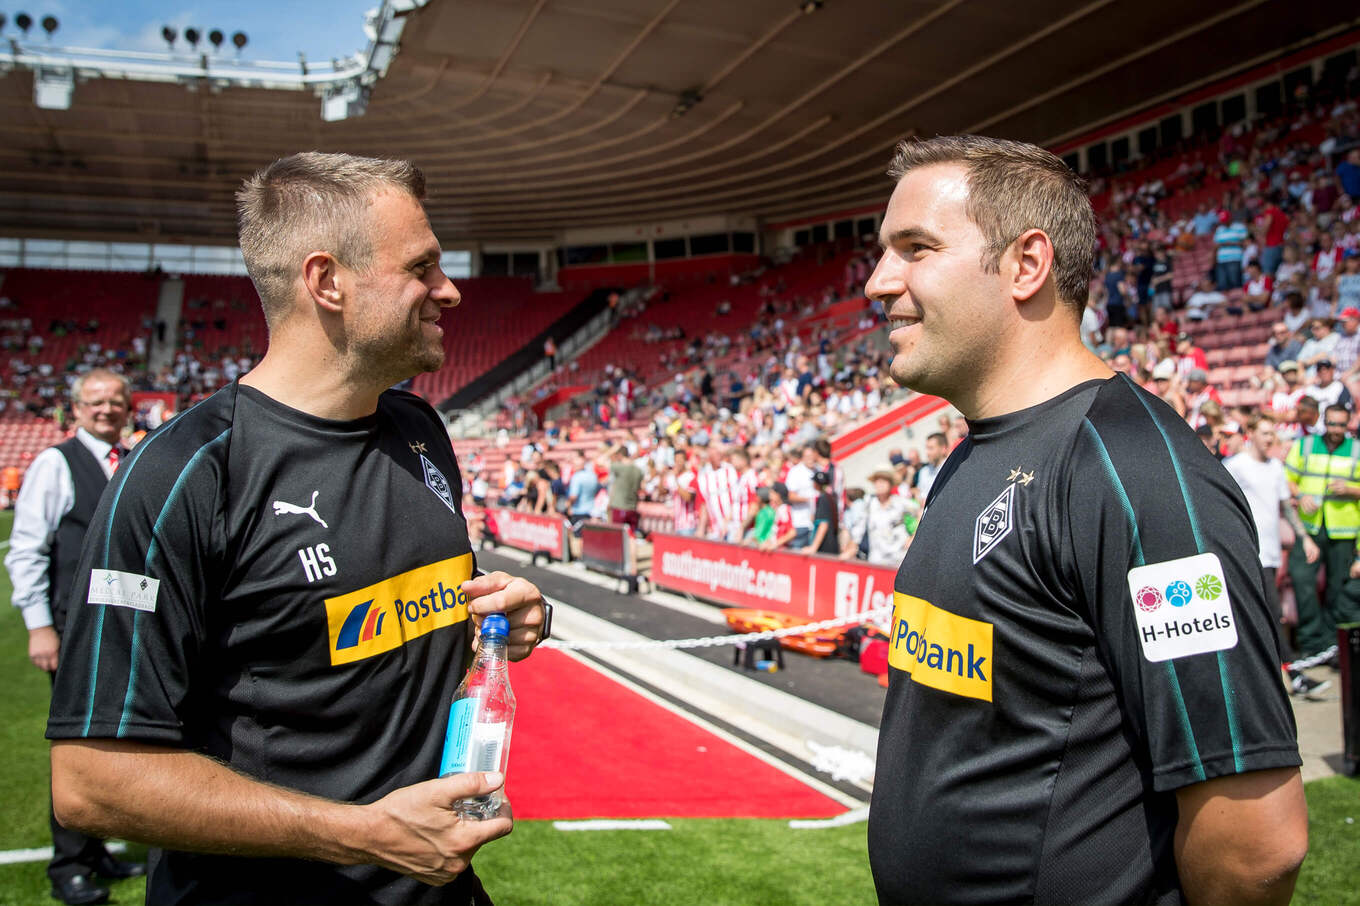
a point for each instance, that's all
(317, 561)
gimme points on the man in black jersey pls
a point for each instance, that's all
(1084, 702)
(275, 602)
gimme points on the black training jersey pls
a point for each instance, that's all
(280, 592)
(1079, 629)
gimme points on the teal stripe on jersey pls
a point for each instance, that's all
(94, 667)
(175, 490)
(134, 659)
(1185, 718)
(1229, 702)
(134, 656)
(1181, 712)
(1118, 487)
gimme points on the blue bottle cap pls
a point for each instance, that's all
(495, 626)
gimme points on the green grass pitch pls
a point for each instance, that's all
(746, 862)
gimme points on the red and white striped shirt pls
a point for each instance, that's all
(727, 495)
(685, 511)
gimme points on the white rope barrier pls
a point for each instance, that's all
(716, 640)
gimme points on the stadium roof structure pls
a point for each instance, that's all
(534, 117)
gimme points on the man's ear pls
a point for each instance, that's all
(1033, 263)
(321, 274)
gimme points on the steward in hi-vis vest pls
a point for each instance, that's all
(1324, 472)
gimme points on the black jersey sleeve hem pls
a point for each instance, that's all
(157, 733)
(1225, 765)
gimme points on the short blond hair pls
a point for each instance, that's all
(1014, 187)
(312, 202)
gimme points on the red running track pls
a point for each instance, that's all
(585, 746)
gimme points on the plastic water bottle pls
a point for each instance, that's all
(480, 719)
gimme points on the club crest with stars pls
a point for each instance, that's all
(435, 480)
(995, 522)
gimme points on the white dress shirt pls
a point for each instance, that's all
(46, 496)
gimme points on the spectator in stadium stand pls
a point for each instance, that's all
(826, 525)
(937, 449)
(1229, 239)
(581, 491)
(1319, 345)
(1348, 173)
(801, 494)
(685, 495)
(883, 537)
(305, 482)
(51, 517)
(1327, 259)
(1161, 281)
(1188, 355)
(1273, 222)
(1198, 392)
(1204, 300)
(852, 522)
(723, 497)
(11, 479)
(1348, 282)
(1327, 388)
(1258, 288)
(1296, 315)
(762, 527)
(986, 261)
(1324, 476)
(1284, 346)
(625, 481)
(1262, 479)
(783, 531)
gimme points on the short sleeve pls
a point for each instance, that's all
(1150, 511)
(137, 611)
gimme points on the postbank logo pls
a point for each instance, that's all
(390, 613)
(940, 649)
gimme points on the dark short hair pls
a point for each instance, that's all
(1014, 187)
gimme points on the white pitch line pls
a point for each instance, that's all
(44, 854)
(854, 816)
(595, 824)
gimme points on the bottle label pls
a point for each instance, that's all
(470, 745)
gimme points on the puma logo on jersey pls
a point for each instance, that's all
(282, 507)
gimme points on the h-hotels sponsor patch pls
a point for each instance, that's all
(388, 614)
(940, 649)
(1182, 607)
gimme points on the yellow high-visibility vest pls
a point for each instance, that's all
(1310, 466)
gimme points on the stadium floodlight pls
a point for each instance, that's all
(216, 37)
(191, 35)
(169, 34)
(24, 21)
(50, 25)
(52, 87)
(239, 41)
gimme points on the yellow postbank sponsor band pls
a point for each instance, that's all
(390, 613)
(940, 649)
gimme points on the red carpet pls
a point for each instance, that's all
(586, 747)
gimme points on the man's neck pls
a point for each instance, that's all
(327, 391)
(1014, 382)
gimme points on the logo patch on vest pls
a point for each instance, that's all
(435, 481)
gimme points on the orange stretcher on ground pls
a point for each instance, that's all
(817, 644)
